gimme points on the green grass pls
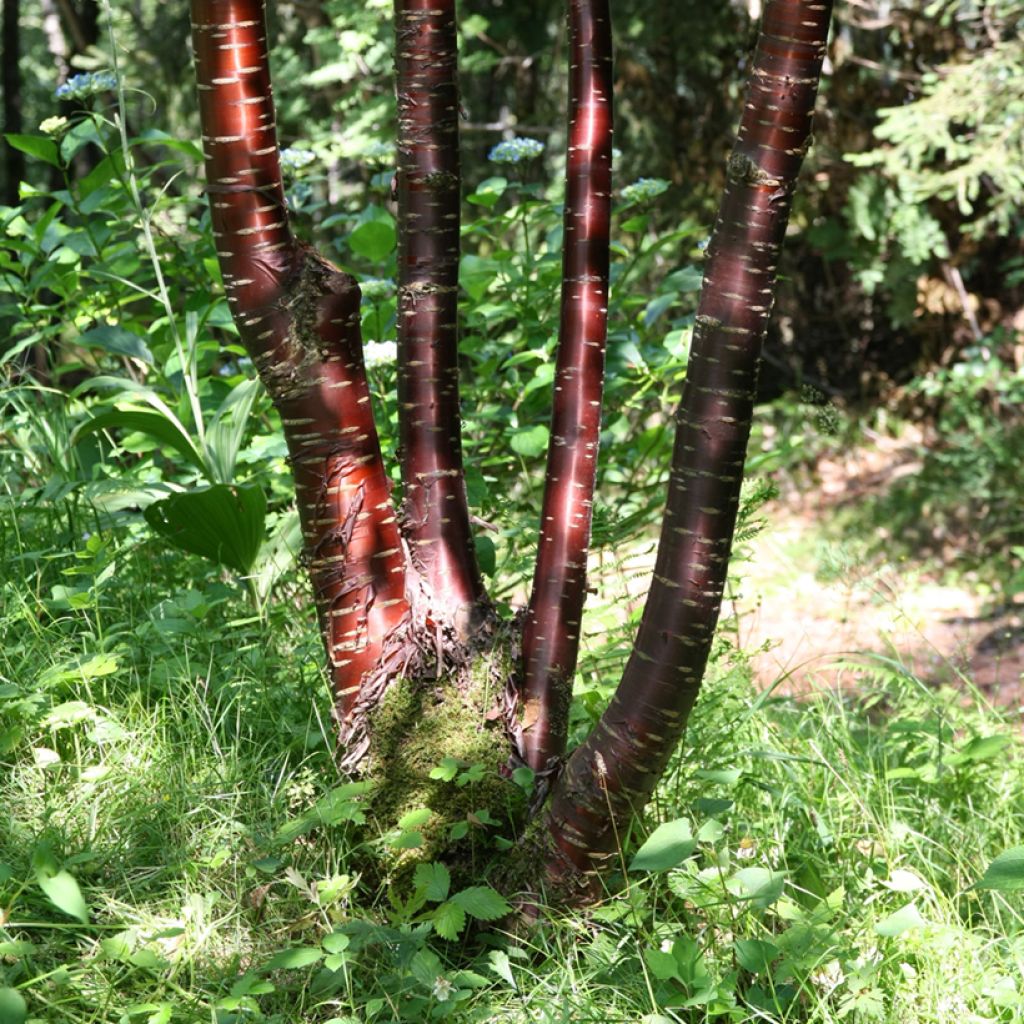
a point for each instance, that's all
(164, 746)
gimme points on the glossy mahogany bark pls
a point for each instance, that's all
(435, 511)
(299, 320)
(551, 634)
(612, 775)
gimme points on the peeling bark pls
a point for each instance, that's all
(435, 510)
(612, 775)
(299, 320)
(553, 621)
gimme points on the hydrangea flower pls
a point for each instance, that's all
(296, 159)
(54, 126)
(380, 353)
(81, 87)
(376, 287)
(514, 151)
(643, 189)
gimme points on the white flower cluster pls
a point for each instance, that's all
(296, 159)
(83, 86)
(379, 353)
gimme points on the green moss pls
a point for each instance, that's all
(446, 727)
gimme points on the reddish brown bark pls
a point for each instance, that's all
(612, 775)
(435, 511)
(551, 634)
(299, 320)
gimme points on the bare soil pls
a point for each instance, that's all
(812, 605)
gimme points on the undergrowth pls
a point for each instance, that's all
(178, 847)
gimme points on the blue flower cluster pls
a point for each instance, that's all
(643, 189)
(81, 87)
(296, 159)
(514, 151)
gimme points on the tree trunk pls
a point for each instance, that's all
(299, 319)
(434, 511)
(14, 159)
(613, 774)
(553, 621)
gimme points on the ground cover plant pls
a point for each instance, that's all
(183, 841)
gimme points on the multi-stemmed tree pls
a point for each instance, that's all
(397, 589)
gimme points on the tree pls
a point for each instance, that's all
(397, 590)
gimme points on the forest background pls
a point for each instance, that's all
(178, 846)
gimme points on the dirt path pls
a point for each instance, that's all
(813, 604)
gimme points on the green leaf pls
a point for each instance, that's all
(224, 524)
(662, 965)
(759, 885)
(488, 192)
(531, 442)
(62, 891)
(482, 902)
(38, 146)
(226, 432)
(117, 341)
(755, 955)
(12, 1006)
(434, 881)
(446, 770)
(667, 846)
(1005, 873)
(414, 819)
(373, 240)
(449, 920)
(336, 942)
(152, 424)
(293, 959)
(903, 920)
(476, 275)
(981, 748)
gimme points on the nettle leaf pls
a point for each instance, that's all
(1005, 873)
(482, 903)
(62, 891)
(434, 880)
(293, 959)
(531, 442)
(449, 920)
(666, 847)
(222, 523)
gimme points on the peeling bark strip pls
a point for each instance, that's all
(435, 512)
(299, 320)
(551, 634)
(612, 775)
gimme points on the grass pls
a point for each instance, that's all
(168, 751)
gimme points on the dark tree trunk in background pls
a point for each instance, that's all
(299, 319)
(551, 636)
(434, 511)
(613, 774)
(14, 159)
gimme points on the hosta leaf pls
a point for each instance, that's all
(152, 424)
(482, 902)
(1005, 873)
(224, 524)
(449, 920)
(668, 845)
